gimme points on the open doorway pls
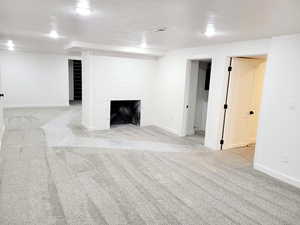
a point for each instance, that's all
(245, 86)
(75, 82)
(198, 91)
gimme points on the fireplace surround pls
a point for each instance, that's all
(125, 112)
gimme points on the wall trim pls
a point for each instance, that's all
(239, 145)
(171, 130)
(280, 176)
(35, 106)
(1, 136)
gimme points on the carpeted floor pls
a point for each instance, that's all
(53, 171)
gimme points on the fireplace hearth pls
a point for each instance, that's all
(125, 112)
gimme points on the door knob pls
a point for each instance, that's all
(251, 112)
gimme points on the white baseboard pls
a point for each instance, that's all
(239, 145)
(2, 130)
(280, 176)
(168, 129)
(35, 106)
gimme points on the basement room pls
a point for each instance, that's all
(149, 113)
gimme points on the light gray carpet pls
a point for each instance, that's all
(78, 185)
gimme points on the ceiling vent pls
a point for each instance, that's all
(161, 29)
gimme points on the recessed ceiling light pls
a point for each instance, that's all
(10, 44)
(83, 8)
(144, 44)
(83, 11)
(210, 30)
(53, 34)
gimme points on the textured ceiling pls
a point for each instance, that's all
(132, 22)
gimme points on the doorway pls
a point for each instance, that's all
(198, 92)
(245, 86)
(75, 81)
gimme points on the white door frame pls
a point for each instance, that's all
(237, 56)
(187, 90)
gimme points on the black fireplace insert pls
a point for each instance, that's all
(125, 112)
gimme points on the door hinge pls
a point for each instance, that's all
(229, 68)
(221, 142)
(225, 106)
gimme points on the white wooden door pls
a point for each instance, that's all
(256, 98)
(241, 120)
(1, 108)
(191, 97)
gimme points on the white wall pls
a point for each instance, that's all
(116, 78)
(87, 91)
(171, 92)
(277, 149)
(32, 79)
